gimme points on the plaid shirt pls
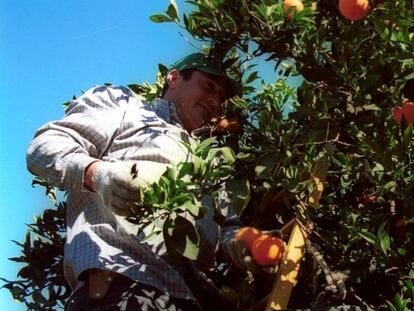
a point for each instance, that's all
(111, 124)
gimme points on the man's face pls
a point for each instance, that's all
(197, 100)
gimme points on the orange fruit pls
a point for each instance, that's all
(397, 114)
(354, 9)
(227, 124)
(287, 4)
(268, 250)
(401, 223)
(248, 235)
(407, 110)
(367, 199)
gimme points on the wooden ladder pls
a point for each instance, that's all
(286, 278)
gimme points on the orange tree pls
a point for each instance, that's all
(354, 73)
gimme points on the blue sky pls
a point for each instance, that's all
(49, 51)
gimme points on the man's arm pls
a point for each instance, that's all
(89, 173)
(63, 149)
(232, 221)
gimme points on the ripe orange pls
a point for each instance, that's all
(268, 250)
(287, 4)
(248, 235)
(407, 110)
(367, 199)
(354, 9)
(227, 124)
(397, 114)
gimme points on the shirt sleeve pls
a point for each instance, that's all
(232, 221)
(61, 150)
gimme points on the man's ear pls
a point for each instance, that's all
(173, 77)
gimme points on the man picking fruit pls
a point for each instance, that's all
(109, 145)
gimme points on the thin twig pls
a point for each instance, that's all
(335, 140)
(301, 203)
(327, 132)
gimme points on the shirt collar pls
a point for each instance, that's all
(166, 110)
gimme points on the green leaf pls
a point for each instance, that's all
(244, 156)
(50, 191)
(400, 302)
(184, 171)
(153, 233)
(38, 297)
(240, 103)
(181, 237)
(25, 272)
(203, 148)
(372, 107)
(239, 191)
(230, 293)
(383, 237)
(199, 166)
(367, 167)
(410, 287)
(410, 221)
(18, 243)
(390, 186)
(193, 144)
(160, 18)
(379, 26)
(368, 236)
(180, 197)
(212, 154)
(409, 76)
(402, 251)
(228, 155)
(408, 135)
(172, 10)
(392, 307)
(152, 238)
(230, 62)
(18, 259)
(252, 77)
(265, 165)
(189, 206)
(188, 23)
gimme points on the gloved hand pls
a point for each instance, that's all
(118, 183)
(243, 258)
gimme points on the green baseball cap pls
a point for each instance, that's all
(202, 62)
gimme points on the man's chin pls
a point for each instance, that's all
(190, 126)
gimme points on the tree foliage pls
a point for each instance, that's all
(41, 285)
(354, 73)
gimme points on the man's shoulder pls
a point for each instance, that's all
(110, 89)
(107, 96)
(116, 94)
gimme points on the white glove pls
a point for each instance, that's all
(118, 183)
(241, 256)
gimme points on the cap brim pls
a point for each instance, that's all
(233, 88)
(202, 63)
